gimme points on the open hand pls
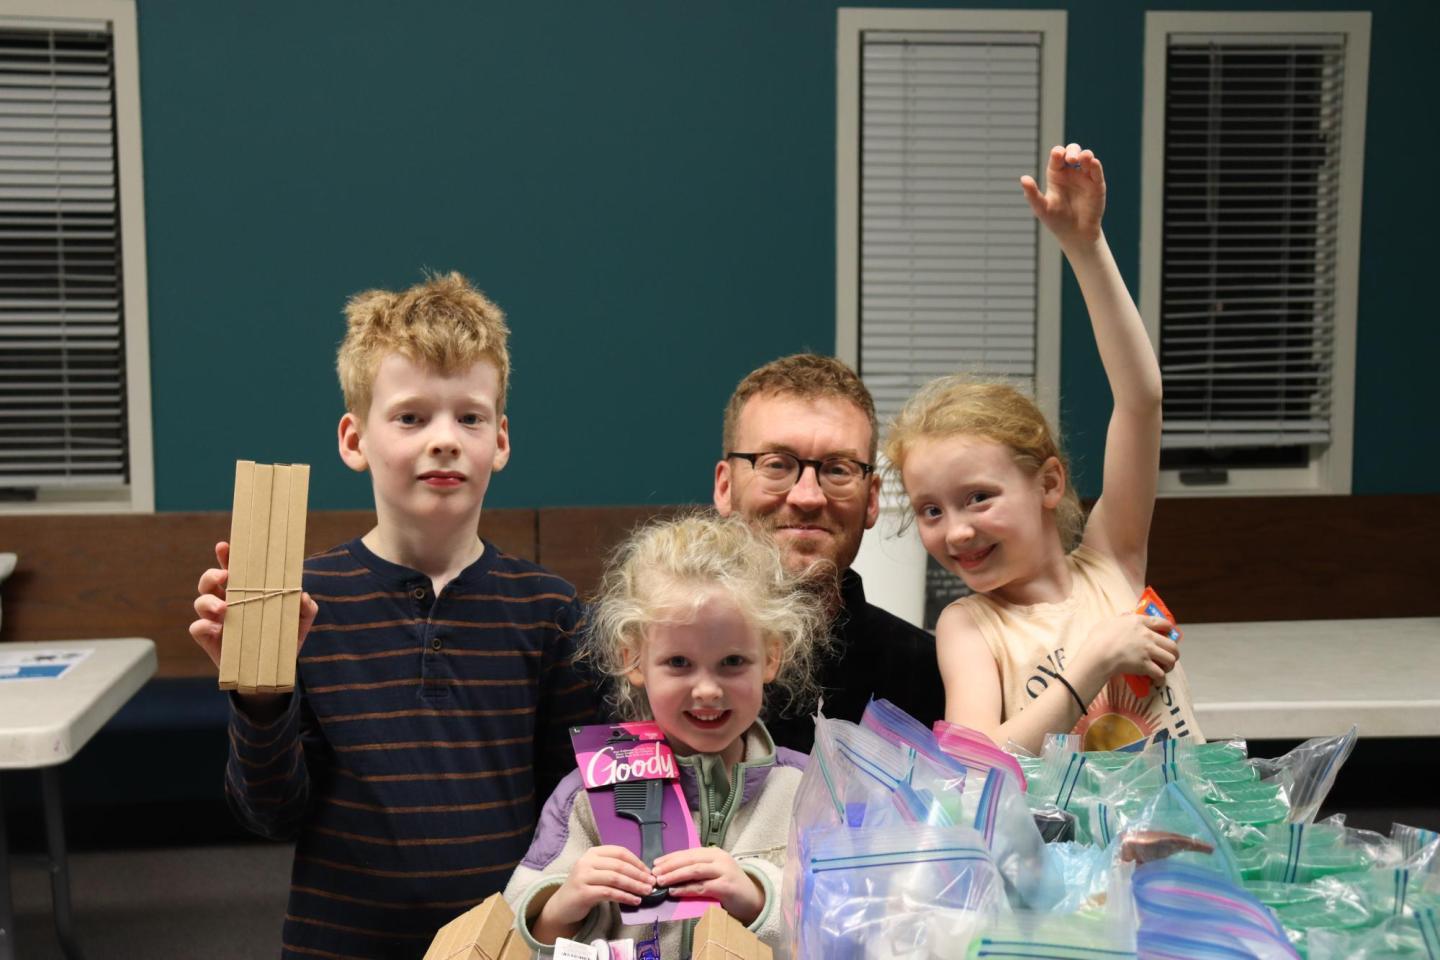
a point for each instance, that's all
(1074, 199)
(711, 872)
(210, 606)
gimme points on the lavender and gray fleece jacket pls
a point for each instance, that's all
(749, 817)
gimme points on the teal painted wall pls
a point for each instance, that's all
(647, 188)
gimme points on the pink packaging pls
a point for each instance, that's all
(975, 750)
(629, 756)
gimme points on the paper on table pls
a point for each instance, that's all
(40, 664)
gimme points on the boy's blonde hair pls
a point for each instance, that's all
(670, 568)
(963, 406)
(443, 323)
(808, 376)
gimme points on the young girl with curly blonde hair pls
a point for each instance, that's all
(695, 617)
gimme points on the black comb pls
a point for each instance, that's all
(641, 801)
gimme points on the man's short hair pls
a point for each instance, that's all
(807, 376)
(443, 323)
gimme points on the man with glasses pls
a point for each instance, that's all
(799, 463)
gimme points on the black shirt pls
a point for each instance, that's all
(874, 654)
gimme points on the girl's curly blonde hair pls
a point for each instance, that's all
(670, 568)
(963, 406)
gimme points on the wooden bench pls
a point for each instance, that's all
(1213, 560)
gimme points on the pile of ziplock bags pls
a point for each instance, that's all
(913, 844)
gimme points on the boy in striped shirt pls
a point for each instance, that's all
(435, 686)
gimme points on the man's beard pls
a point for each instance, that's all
(817, 568)
(820, 576)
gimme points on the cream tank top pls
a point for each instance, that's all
(1032, 643)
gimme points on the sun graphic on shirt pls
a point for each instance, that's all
(1116, 718)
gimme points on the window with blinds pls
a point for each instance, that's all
(940, 266)
(65, 418)
(1250, 300)
(948, 247)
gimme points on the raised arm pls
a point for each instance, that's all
(1071, 208)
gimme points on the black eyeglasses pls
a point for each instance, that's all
(777, 472)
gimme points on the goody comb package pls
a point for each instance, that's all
(633, 782)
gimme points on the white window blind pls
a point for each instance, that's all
(1252, 146)
(948, 247)
(63, 417)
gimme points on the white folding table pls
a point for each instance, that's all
(1314, 678)
(44, 721)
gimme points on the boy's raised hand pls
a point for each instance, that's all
(1073, 203)
(711, 872)
(210, 607)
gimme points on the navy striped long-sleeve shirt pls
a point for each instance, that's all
(423, 737)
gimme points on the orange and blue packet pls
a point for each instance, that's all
(1151, 606)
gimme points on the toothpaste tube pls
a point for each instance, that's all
(1151, 606)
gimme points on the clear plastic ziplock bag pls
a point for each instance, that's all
(1146, 774)
(1212, 772)
(895, 725)
(1126, 791)
(1125, 780)
(1172, 826)
(860, 779)
(1061, 743)
(1325, 904)
(886, 765)
(1419, 848)
(1056, 824)
(1220, 770)
(1211, 753)
(935, 780)
(855, 779)
(1062, 777)
(1420, 858)
(1062, 788)
(1084, 870)
(1217, 942)
(1045, 936)
(1302, 852)
(1308, 772)
(832, 793)
(1194, 912)
(1398, 938)
(921, 789)
(1002, 817)
(1389, 891)
(975, 750)
(902, 893)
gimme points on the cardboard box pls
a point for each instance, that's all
(267, 549)
(484, 932)
(719, 936)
